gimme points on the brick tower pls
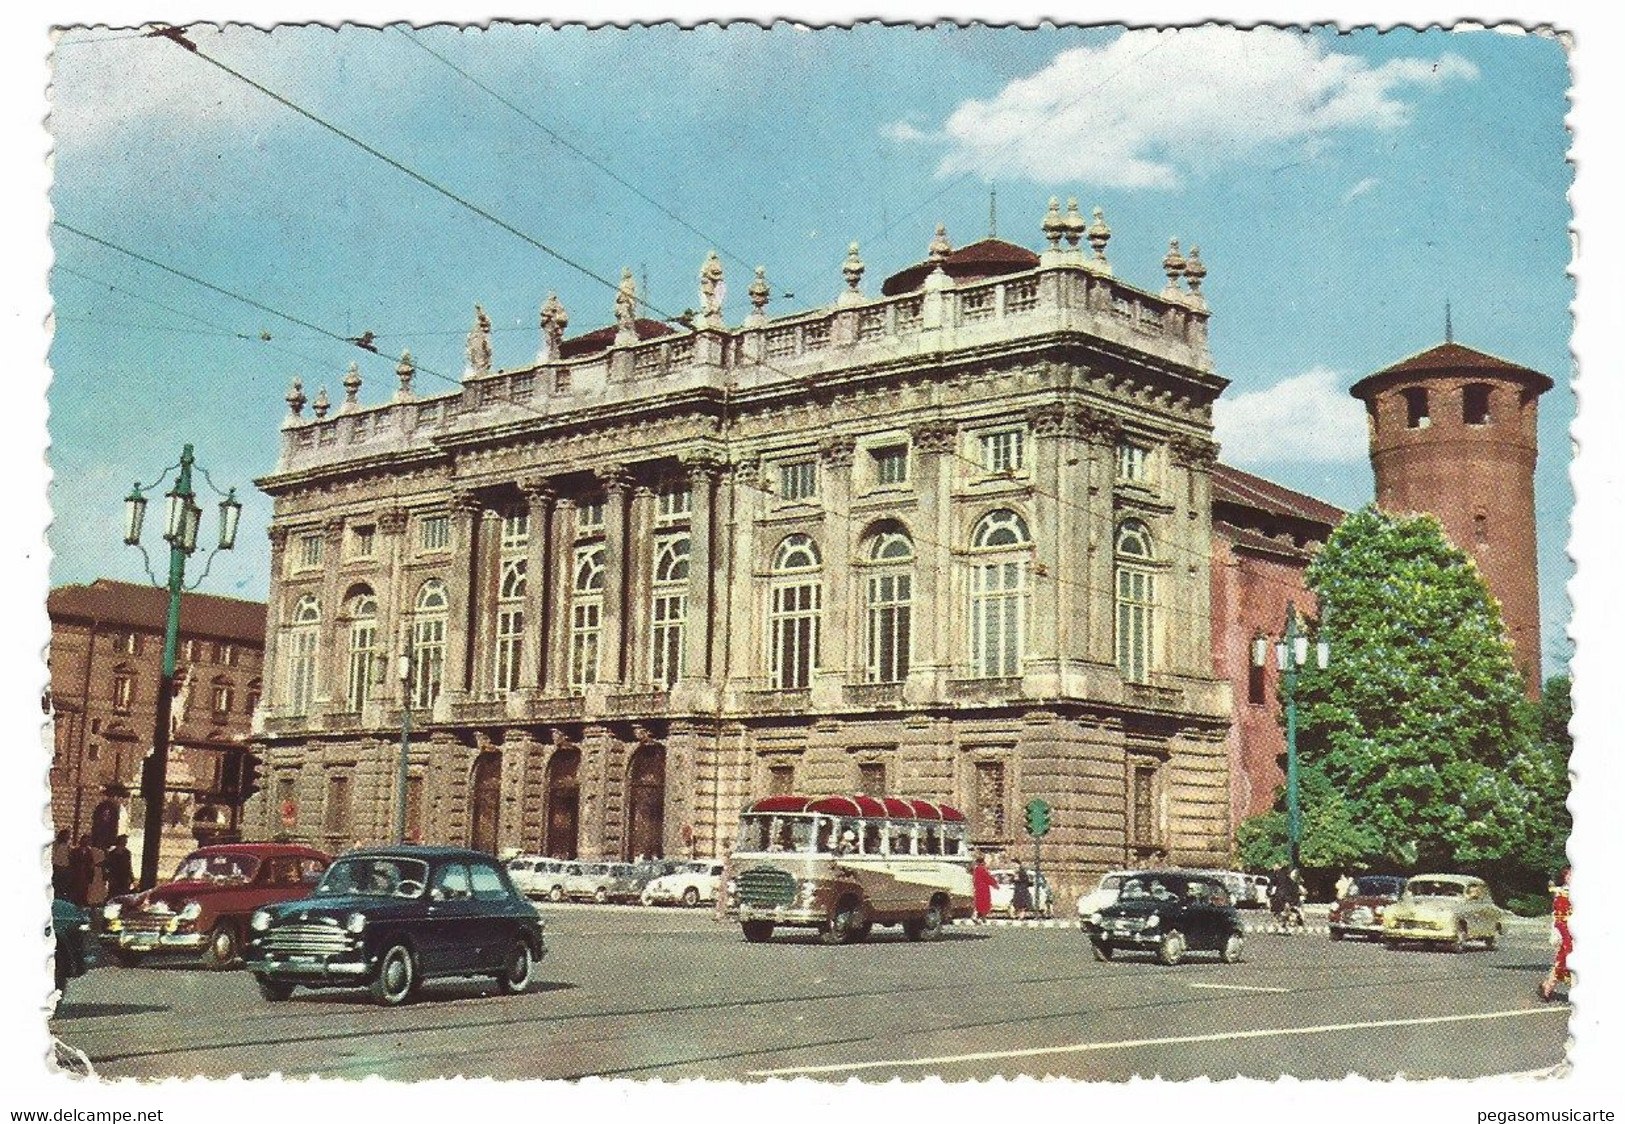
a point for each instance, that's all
(1453, 434)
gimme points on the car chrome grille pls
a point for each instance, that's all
(145, 923)
(767, 886)
(1359, 916)
(306, 940)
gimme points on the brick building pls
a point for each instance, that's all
(106, 658)
(952, 541)
(1453, 434)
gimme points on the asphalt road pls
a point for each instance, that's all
(671, 993)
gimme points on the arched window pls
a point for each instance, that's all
(586, 615)
(669, 609)
(428, 643)
(303, 637)
(890, 605)
(796, 601)
(363, 648)
(1136, 601)
(510, 623)
(998, 594)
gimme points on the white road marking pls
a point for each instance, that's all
(1132, 1043)
(1239, 987)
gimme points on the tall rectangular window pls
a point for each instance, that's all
(781, 780)
(287, 801)
(434, 532)
(428, 659)
(997, 591)
(363, 541)
(1145, 805)
(890, 464)
(590, 517)
(798, 480)
(1255, 685)
(795, 634)
(301, 670)
(890, 619)
(127, 643)
(310, 552)
(1002, 451)
(673, 503)
(1416, 407)
(123, 691)
(363, 651)
(511, 609)
(872, 778)
(221, 700)
(990, 800)
(336, 809)
(515, 528)
(1134, 619)
(586, 621)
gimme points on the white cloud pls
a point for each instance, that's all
(1308, 418)
(1155, 107)
(902, 131)
(1359, 189)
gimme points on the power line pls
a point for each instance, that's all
(560, 139)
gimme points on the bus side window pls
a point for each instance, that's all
(826, 836)
(901, 839)
(871, 838)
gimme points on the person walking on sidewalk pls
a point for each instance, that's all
(1021, 901)
(117, 870)
(982, 882)
(1562, 909)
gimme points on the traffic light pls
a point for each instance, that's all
(1037, 818)
(248, 775)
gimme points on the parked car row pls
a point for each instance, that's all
(651, 881)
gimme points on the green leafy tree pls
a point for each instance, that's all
(1416, 745)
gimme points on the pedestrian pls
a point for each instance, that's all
(81, 872)
(1562, 909)
(61, 849)
(117, 870)
(982, 882)
(1344, 884)
(1021, 901)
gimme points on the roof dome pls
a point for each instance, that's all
(991, 257)
(1449, 359)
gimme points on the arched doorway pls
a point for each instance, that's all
(646, 802)
(486, 809)
(563, 803)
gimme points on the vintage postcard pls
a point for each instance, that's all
(768, 551)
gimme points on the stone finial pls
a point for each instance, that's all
(759, 291)
(626, 305)
(553, 322)
(1173, 264)
(1195, 271)
(713, 290)
(1075, 226)
(295, 398)
(352, 387)
(479, 344)
(1099, 234)
(321, 404)
(940, 246)
(1053, 225)
(852, 269)
(405, 370)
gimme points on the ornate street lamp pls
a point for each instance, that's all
(1291, 653)
(182, 516)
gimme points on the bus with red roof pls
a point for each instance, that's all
(843, 864)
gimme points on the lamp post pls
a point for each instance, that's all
(404, 671)
(1291, 653)
(181, 521)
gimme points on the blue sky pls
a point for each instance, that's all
(1341, 188)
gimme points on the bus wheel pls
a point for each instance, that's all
(843, 925)
(927, 928)
(758, 931)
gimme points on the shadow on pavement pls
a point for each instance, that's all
(72, 1010)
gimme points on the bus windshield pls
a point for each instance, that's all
(775, 833)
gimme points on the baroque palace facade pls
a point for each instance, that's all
(954, 541)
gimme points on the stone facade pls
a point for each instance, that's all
(952, 542)
(107, 648)
(1453, 435)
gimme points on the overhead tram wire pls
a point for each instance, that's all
(727, 406)
(858, 518)
(175, 35)
(578, 151)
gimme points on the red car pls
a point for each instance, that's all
(1359, 912)
(204, 910)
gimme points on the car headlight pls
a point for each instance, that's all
(355, 923)
(111, 911)
(1095, 918)
(733, 886)
(260, 921)
(1153, 921)
(191, 911)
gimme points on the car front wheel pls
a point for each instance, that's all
(222, 949)
(1231, 952)
(556, 894)
(515, 977)
(691, 897)
(600, 896)
(1460, 942)
(1171, 950)
(273, 991)
(397, 977)
(1490, 941)
(1102, 950)
(758, 931)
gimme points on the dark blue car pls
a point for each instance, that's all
(391, 917)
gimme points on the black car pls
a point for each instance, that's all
(389, 918)
(1168, 913)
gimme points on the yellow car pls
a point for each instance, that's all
(1450, 909)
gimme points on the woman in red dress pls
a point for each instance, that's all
(1560, 976)
(983, 882)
